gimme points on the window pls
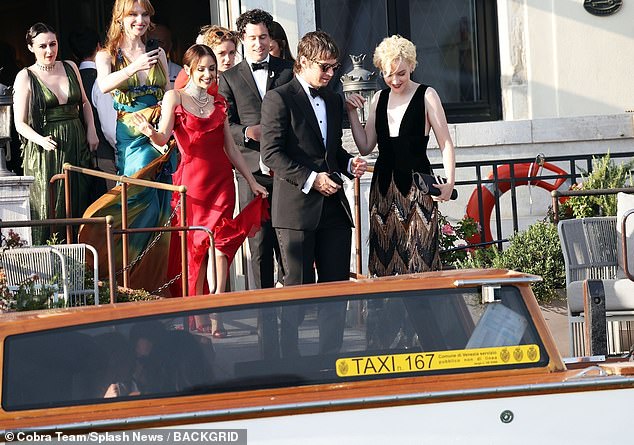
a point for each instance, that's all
(342, 339)
(456, 43)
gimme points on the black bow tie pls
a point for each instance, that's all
(314, 92)
(260, 66)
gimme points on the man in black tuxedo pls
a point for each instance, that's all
(301, 143)
(244, 86)
(84, 45)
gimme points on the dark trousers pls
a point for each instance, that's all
(326, 249)
(263, 247)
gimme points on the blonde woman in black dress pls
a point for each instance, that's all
(403, 220)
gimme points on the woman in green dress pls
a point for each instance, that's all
(48, 101)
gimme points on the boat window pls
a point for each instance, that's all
(376, 336)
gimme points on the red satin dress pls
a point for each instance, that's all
(208, 174)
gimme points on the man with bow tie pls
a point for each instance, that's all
(244, 86)
(301, 143)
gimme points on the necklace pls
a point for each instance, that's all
(198, 96)
(45, 67)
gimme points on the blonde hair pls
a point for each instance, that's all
(216, 35)
(120, 9)
(393, 49)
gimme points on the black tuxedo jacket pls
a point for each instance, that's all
(292, 147)
(238, 87)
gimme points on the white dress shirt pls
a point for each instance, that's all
(319, 107)
(104, 105)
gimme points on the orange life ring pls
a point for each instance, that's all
(489, 191)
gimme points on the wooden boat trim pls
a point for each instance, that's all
(612, 383)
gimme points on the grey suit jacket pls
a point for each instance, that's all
(238, 87)
(292, 147)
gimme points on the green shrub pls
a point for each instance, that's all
(605, 175)
(537, 251)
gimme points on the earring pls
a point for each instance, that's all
(121, 25)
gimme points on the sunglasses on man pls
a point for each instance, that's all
(327, 66)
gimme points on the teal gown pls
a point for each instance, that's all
(138, 158)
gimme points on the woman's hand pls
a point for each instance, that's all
(92, 139)
(142, 125)
(258, 189)
(445, 192)
(48, 143)
(354, 101)
(144, 62)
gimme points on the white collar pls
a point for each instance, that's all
(249, 61)
(305, 85)
(87, 64)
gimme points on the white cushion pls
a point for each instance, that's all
(619, 295)
(625, 202)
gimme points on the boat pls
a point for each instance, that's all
(455, 356)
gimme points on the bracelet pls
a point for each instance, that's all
(125, 71)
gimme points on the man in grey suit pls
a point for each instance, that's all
(301, 142)
(244, 86)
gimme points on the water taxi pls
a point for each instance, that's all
(444, 357)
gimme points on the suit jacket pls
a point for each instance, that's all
(88, 78)
(292, 147)
(238, 87)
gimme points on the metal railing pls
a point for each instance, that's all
(574, 165)
(125, 182)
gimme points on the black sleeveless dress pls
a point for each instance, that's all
(403, 221)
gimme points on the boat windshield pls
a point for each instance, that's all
(272, 345)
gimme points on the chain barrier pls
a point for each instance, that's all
(154, 241)
(169, 283)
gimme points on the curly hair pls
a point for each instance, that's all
(253, 16)
(120, 9)
(215, 35)
(393, 49)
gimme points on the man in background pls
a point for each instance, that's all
(84, 44)
(244, 86)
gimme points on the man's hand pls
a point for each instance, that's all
(254, 132)
(324, 185)
(358, 166)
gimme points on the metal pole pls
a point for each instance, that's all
(124, 236)
(111, 266)
(69, 210)
(357, 215)
(183, 235)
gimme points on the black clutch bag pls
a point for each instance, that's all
(427, 184)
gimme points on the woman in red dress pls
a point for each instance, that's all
(199, 123)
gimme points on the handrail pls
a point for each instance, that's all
(556, 194)
(184, 271)
(106, 220)
(125, 181)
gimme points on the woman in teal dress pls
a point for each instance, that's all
(47, 103)
(137, 80)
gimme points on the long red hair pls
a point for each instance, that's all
(120, 9)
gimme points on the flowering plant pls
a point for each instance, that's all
(453, 239)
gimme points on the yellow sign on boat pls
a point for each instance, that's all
(435, 361)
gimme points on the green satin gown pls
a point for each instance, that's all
(64, 124)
